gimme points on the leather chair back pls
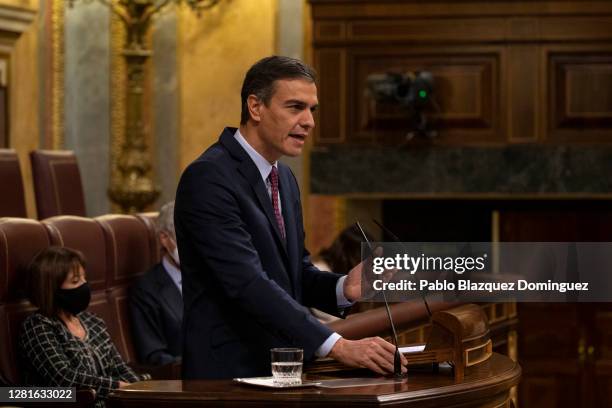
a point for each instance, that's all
(150, 220)
(118, 298)
(130, 253)
(57, 183)
(129, 250)
(20, 240)
(86, 236)
(13, 201)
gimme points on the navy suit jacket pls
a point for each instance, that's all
(244, 287)
(156, 308)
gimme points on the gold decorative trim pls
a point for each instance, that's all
(148, 116)
(57, 74)
(117, 96)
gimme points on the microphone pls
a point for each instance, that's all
(396, 239)
(397, 360)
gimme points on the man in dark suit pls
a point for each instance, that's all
(156, 304)
(246, 273)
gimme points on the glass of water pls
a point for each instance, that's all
(287, 365)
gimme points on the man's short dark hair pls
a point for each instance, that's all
(259, 80)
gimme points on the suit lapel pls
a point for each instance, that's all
(249, 170)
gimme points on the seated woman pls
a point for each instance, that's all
(62, 344)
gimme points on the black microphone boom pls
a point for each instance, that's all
(396, 239)
(397, 362)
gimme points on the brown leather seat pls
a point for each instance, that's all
(13, 201)
(130, 254)
(20, 240)
(57, 183)
(129, 250)
(150, 219)
(134, 249)
(86, 236)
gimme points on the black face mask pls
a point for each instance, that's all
(74, 300)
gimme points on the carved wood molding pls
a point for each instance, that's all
(505, 72)
(14, 21)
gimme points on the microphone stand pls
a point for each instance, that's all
(396, 239)
(397, 361)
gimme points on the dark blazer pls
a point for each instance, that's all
(243, 285)
(156, 309)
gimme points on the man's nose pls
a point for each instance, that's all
(307, 121)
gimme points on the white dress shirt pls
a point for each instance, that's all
(174, 273)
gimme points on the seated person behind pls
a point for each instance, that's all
(61, 344)
(156, 302)
(343, 253)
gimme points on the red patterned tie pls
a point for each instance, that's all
(274, 190)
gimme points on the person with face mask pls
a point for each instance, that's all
(156, 302)
(62, 344)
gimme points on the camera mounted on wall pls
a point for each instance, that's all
(412, 91)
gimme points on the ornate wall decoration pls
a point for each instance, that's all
(56, 65)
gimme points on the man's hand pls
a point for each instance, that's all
(352, 283)
(355, 279)
(372, 352)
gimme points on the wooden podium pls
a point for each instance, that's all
(485, 385)
(459, 335)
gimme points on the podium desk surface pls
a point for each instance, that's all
(485, 385)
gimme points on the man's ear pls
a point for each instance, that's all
(164, 240)
(254, 104)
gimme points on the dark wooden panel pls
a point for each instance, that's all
(466, 90)
(326, 30)
(574, 28)
(600, 355)
(549, 331)
(4, 117)
(557, 223)
(603, 384)
(564, 349)
(330, 64)
(550, 79)
(548, 391)
(466, 29)
(411, 8)
(580, 96)
(478, 29)
(523, 87)
(603, 338)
